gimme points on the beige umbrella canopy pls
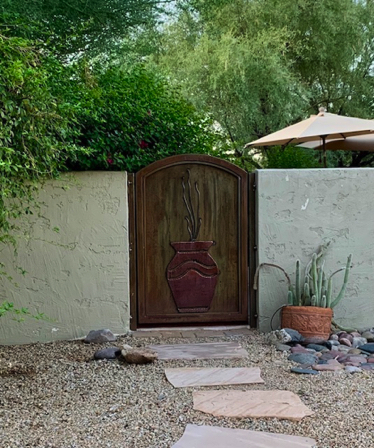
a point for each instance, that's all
(359, 143)
(317, 128)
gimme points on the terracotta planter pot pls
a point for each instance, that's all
(310, 321)
(192, 276)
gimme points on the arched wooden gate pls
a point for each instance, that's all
(191, 242)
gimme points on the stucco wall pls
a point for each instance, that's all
(78, 276)
(297, 210)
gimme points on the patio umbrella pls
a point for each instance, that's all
(317, 128)
(359, 143)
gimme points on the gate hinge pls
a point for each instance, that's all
(254, 187)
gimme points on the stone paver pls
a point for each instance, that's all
(216, 376)
(238, 332)
(281, 404)
(215, 437)
(209, 334)
(209, 350)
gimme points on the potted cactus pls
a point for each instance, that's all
(310, 300)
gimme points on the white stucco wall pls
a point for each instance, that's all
(78, 276)
(297, 210)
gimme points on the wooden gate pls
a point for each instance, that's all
(190, 243)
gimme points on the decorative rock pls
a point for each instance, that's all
(334, 337)
(126, 347)
(369, 347)
(295, 335)
(303, 358)
(368, 335)
(354, 351)
(100, 336)
(278, 336)
(317, 347)
(355, 334)
(357, 359)
(358, 341)
(352, 369)
(283, 347)
(345, 341)
(108, 353)
(305, 371)
(331, 366)
(370, 360)
(334, 342)
(139, 356)
(343, 348)
(314, 340)
(367, 366)
(299, 350)
(328, 355)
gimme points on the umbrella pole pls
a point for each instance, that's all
(324, 155)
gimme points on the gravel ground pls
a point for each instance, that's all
(55, 395)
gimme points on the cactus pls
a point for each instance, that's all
(317, 288)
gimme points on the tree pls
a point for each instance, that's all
(262, 64)
(76, 27)
(130, 117)
(34, 128)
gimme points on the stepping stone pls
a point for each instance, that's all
(280, 404)
(188, 377)
(210, 350)
(215, 437)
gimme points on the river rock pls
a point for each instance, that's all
(295, 335)
(303, 358)
(368, 335)
(367, 366)
(139, 356)
(354, 351)
(99, 337)
(317, 347)
(108, 353)
(334, 337)
(299, 349)
(357, 359)
(278, 336)
(332, 365)
(345, 341)
(283, 347)
(355, 334)
(358, 341)
(314, 340)
(369, 347)
(305, 371)
(352, 369)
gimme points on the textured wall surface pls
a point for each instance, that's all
(77, 274)
(300, 209)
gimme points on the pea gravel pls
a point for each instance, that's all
(56, 395)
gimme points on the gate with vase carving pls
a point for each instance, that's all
(191, 243)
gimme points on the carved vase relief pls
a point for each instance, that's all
(192, 274)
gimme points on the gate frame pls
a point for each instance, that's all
(251, 238)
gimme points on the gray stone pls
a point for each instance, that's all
(108, 353)
(282, 347)
(352, 369)
(305, 371)
(358, 341)
(368, 335)
(334, 342)
(139, 356)
(317, 347)
(334, 337)
(303, 358)
(100, 336)
(367, 366)
(345, 341)
(369, 347)
(295, 335)
(278, 336)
